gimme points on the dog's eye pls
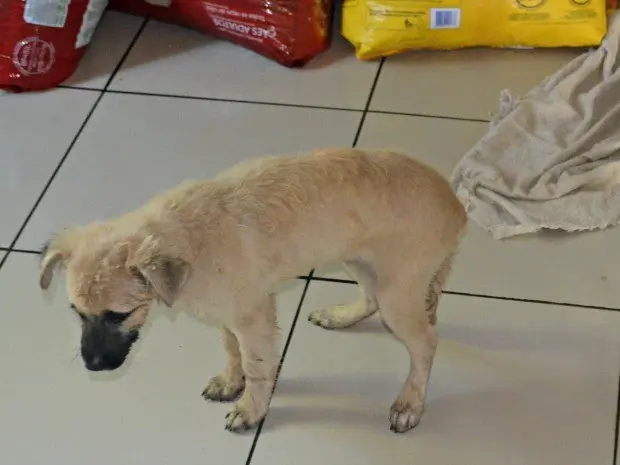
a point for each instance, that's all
(115, 317)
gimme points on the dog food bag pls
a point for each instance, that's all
(291, 32)
(385, 27)
(43, 41)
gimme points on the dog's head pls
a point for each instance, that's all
(112, 282)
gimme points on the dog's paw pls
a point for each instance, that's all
(338, 317)
(404, 417)
(221, 389)
(239, 420)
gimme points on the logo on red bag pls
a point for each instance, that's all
(34, 56)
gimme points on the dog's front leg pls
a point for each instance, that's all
(255, 329)
(228, 385)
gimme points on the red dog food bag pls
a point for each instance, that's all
(291, 32)
(43, 41)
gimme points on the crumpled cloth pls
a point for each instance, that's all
(551, 160)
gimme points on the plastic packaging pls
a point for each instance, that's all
(385, 27)
(291, 32)
(43, 41)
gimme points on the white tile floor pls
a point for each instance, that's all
(528, 366)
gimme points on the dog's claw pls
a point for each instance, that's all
(404, 417)
(321, 319)
(341, 316)
(237, 421)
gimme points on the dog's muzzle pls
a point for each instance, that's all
(105, 346)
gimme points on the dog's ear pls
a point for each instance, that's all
(55, 252)
(166, 274)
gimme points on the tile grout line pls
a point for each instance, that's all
(532, 301)
(331, 280)
(284, 352)
(121, 62)
(485, 296)
(276, 104)
(616, 426)
(425, 115)
(24, 251)
(72, 144)
(230, 100)
(213, 99)
(368, 102)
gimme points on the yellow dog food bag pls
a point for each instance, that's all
(385, 27)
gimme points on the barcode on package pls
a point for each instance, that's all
(50, 13)
(445, 18)
(90, 20)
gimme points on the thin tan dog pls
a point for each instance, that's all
(221, 245)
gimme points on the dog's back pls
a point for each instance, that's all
(349, 198)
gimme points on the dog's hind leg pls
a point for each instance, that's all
(228, 385)
(403, 300)
(343, 316)
(256, 331)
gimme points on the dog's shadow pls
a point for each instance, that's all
(362, 402)
(333, 416)
(446, 413)
(465, 419)
(330, 396)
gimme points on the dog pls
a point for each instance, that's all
(220, 245)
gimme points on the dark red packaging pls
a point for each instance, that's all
(291, 32)
(42, 41)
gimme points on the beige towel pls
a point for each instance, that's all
(552, 159)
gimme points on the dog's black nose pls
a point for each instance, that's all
(98, 363)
